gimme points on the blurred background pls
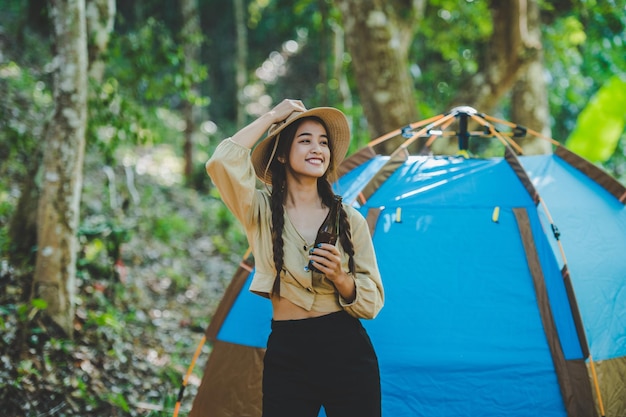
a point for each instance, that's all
(114, 246)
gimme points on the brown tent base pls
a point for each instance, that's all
(612, 376)
(231, 385)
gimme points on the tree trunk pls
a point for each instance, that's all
(507, 55)
(529, 100)
(100, 18)
(339, 72)
(378, 36)
(22, 228)
(241, 67)
(510, 50)
(191, 35)
(58, 210)
(325, 51)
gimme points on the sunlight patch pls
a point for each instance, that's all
(161, 163)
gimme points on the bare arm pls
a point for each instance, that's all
(250, 135)
(346, 287)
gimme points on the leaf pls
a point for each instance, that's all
(601, 123)
(119, 401)
(39, 304)
(93, 249)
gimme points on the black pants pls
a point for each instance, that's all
(325, 361)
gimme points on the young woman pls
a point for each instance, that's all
(318, 353)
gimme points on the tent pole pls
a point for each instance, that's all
(594, 376)
(187, 375)
(596, 384)
(440, 121)
(463, 134)
(433, 137)
(396, 132)
(243, 265)
(502, 138)
(516, 126)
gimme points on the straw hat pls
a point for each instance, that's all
(338, 135)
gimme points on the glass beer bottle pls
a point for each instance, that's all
(329, 230)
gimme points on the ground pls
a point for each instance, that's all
(155, 259)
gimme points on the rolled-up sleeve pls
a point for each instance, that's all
(232, 173)
(370, 295)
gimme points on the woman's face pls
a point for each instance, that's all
(309, 155)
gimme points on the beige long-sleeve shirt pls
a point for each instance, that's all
(231, 170)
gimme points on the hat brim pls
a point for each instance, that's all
(338, 134)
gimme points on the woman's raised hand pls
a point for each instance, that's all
(283, 109)
(251, 133)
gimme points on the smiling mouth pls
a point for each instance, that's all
(315, 161)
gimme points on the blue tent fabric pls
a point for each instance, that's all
(456, 308)
(248, 320)
(461, 332)
(475, 343)
(593, 234)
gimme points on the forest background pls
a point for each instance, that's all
(109, 110)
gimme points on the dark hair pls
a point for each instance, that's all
(278, 196)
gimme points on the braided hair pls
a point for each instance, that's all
(278, 197)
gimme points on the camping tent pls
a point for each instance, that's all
(505, 283)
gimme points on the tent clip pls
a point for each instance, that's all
(398, 214)
(407, 131)
(555, 231)
(495, 216)
(519, 131)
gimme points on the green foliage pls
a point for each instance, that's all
(25, 90)
(124, 354)
(171, 239)
(583, 49)
(171, 227)
(230, 236)
(103, 371)
(150, 64)
(101, 242)
(445, 28)
(26, 103)
(6, 209)
(601, 123)
(446, 50)
(116, 120)
(568, 95)
(146, 72)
